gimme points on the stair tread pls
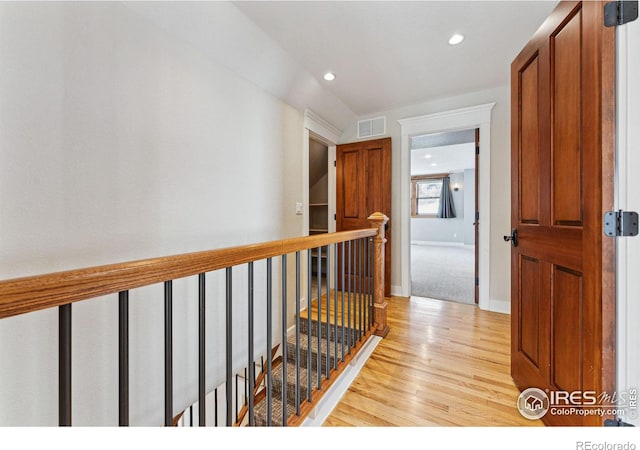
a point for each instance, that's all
(304, 342)
(260, 409)
(354, 304)
(260, 413)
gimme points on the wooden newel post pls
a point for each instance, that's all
(379, 220)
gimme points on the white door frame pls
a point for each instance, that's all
(459, 119)
(627, 187)
(321, 130)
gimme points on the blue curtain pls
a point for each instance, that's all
(446, 209)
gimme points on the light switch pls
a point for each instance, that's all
(298, 209)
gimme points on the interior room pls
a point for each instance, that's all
(443, 239)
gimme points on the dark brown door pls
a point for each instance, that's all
(363, 186)
(562, 269)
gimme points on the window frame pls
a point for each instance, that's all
(415, 179)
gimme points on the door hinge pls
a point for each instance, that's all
(477, 215)
(334, 164)
(477, 281)
(334, 217)
(620, 12)
(621, 223)
(477, 149)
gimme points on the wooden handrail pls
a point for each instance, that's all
(35, 293)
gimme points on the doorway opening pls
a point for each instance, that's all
(470, 117)
(444, 209)
(318, 202)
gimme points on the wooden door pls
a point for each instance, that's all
(363, 186)
(562, 269)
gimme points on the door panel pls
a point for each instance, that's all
(376, 196)
(562, 172)
(530, 309)
(566, 148)
(567, 328)
(351, 198)
(363, 186)
(529, 154)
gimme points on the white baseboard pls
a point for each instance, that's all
(500, 306)
(338, 389)
(396, 291)
(439, 243)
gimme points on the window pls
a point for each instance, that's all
(425, 195)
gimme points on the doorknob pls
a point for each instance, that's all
(513, 238)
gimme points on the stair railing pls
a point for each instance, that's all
(354, 304)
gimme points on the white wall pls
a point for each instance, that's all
(223, 33)
(500, 290)
(118, 142)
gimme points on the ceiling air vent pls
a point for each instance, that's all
(371, 127)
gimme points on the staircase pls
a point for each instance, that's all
(298, 372)
(317, 356)
(312, 362)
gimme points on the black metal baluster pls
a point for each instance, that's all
(168, 353)
(349, 273)
(371, 282)
(269, 326)
(229, 346)
(215, 400)
(335, 306)
(202, 370)
(328, 297)
(355, 295)
(191, 415)
(309, 279)
(64, 365)
(342, 295)
(123, 358)
(356, 289)
(365, 258)
(298, 333)
(319, 321)
(360, 289)
(285, 403)
(251, 362)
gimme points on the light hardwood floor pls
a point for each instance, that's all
(442, 364)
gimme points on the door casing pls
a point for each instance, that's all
(478, 116)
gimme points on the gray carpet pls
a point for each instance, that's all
(443, 272)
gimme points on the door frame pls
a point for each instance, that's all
(628, 249)
(478, 116)
(320, 130)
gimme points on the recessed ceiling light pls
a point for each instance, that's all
(456, 39)
(329, 76)
(433, 164)
(427, 156)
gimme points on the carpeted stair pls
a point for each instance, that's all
(327, 351)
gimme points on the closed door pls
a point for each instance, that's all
(562, 268)
(363, 186)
